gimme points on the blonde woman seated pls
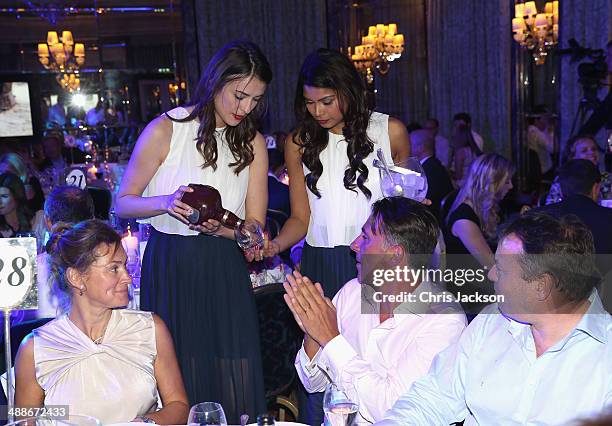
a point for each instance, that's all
(471, 224)
(98, 358)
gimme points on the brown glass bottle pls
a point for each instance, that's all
(206, 203)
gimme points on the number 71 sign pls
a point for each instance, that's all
(18, 288)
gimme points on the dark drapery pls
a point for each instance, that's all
(285, 30)
(469, 51)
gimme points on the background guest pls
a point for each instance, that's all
(95, 115)
(278, 192)
(13, 163)
(540, 140)
(67, 205)
(444, 151)
(464, 119)
(582, 147)
(465, 152)
(438, 181)
(52, 169)
(57, 113)
(15, 216)
(471, 224)
(580, 183)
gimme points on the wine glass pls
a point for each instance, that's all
(207, 413)
(340, 404)
(249, 235)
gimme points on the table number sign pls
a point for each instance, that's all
(18, 288)
(76, 177)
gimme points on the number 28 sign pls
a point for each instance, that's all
(18, 274)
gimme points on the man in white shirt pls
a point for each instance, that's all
(546, 359)
(381, 347)
(464, 119)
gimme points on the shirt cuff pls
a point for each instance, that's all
(310, 366)
(336, 355)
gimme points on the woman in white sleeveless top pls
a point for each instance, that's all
(331, 178)
(98, 358)
(195, 277)
(329, 159)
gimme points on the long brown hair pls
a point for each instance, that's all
(235, 61)
(15, 186)
(331, 69)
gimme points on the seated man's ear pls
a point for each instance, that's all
(398, 254)
(544, 285)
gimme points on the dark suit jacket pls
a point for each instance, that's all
(597, 218)
(439, 183)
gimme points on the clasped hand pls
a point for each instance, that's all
(314, 313)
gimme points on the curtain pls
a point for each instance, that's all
(590, 23)
(286, 31)
(469, 56)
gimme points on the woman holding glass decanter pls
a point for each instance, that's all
(329, 157)
(194, 274)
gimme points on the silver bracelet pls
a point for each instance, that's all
(146, 419)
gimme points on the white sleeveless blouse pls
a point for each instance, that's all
(113, 381)
(182, 166)
(337, 217)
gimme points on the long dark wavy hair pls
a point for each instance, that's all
(235, 61)
(24, 215)
(331, 69)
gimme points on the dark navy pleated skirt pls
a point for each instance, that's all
(332, 267)
(200, 286)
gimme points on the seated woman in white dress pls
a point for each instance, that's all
(100, 359)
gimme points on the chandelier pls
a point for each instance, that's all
(377, 50)
(535, 31)
(63, 57)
